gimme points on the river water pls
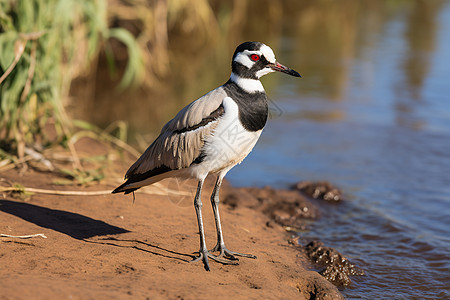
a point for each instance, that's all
(371, 115)
(385, 141)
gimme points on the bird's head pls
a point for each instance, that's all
(253, 60)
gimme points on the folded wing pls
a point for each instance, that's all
(182, 138)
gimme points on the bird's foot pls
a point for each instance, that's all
(203, 256)
(231, 255)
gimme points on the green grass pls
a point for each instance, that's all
(44, 45)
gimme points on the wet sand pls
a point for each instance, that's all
(106, 247)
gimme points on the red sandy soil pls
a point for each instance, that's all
(106, 247)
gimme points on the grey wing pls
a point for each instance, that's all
(182, 138)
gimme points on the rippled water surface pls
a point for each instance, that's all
(384, 139)
(371, 115)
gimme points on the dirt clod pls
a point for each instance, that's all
(319, 190)
(334, 266)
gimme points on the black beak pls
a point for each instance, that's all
(280, 68)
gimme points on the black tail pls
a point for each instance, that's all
(123, 189)
(139, 177)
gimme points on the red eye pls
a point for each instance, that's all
(255, 57)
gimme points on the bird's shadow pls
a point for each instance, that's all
(83, 228)
(139, 245)
(75, 225)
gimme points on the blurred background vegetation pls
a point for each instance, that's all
(141, 60)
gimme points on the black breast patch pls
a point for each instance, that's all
(253, 107)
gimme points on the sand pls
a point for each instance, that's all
(107, 247)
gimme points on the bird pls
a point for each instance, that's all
(210, 136)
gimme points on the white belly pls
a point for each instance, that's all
(229, 144)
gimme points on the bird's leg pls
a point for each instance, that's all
(203, 252)
(220, 246)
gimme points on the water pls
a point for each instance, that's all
(371, 115)
(385, 141)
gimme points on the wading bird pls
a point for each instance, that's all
(210, 136)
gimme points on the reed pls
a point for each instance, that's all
(44, 45)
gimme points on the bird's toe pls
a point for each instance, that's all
(228, 254)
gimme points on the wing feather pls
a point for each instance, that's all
(182, 138)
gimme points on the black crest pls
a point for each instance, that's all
(250, 46)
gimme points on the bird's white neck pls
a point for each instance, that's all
(248, 85)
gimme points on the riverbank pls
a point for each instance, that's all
(108, 247)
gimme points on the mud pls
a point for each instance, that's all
(334, 266)
(290, 209)
(319, 190)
